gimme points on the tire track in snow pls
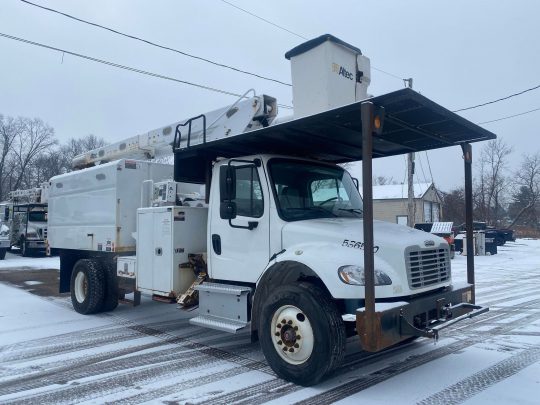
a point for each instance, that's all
(470, 386)
(268, 391)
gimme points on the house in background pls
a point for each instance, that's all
(390, 203)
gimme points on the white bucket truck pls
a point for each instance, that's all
(284, 246)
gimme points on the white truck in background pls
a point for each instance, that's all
(25, 217)
(277, 245)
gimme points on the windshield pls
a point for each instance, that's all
(37, 216)
(306, 190)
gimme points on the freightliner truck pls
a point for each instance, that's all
(283, 245)
(25, 216)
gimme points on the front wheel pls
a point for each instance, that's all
(302, 334)
(87, 287)
(25, 252)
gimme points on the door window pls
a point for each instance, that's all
(249, 197)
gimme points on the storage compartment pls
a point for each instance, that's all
(165, 237)
(96, 208)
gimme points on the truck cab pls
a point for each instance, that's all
(28, 228)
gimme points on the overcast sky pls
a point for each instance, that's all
(460, 53)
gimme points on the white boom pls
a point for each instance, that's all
(246, 114)
(32, 195)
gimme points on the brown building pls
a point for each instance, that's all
(390, 203)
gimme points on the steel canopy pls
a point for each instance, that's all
(412, 123)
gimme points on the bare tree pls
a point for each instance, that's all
(528, 177)
(35, 138)
(492, 184)
(383, 180)
(10, 130)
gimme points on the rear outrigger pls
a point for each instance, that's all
(267, 233)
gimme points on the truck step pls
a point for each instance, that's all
(223, 307)
(217, 323)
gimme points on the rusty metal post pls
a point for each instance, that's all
(467, 157)
(367, 110)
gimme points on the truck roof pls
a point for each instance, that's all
(412, 123)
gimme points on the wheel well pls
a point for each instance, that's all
(281, 273)
(68, 258)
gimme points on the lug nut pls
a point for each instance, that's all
(285, 349)
(298, 337)
(296, 328)
(296, 345)
(290, 322)
(280, 342)
(283, 321)
(291, 350)
(277, 333)
(278, 326)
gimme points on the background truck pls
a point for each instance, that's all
(499, 236)
(25, 215)
(282, 245)
(4, 240)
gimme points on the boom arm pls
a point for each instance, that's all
(246, 114)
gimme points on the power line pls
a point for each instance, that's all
(155, 44)
(509, 116)
(294, 33)
(129, 68)
(499, 99)
(264, 19)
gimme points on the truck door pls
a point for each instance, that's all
(241, 254)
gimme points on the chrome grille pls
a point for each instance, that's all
(427, 267)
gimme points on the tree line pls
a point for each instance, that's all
(501, 197)
(30, 153)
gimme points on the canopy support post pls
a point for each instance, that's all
(367, 115)
(467, 158)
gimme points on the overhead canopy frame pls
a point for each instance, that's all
(412, 123)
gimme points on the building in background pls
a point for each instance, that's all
(390, 203)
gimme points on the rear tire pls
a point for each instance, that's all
(110, 300)
(308, 313)
(87, 287)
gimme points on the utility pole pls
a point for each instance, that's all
(410, 175)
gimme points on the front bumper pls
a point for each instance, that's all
(36, 244)
(425, 316)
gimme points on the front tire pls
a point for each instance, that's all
(87, 287)
(302, 333)
(24, 249)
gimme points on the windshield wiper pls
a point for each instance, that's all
(354, 210)
(314, 208)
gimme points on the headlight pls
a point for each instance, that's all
(354, 275)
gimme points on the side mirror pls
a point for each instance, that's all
(356, 183)
(227, 210)
(227, 183)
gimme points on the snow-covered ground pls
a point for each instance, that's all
(51, 354)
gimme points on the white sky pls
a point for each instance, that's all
(459, 53)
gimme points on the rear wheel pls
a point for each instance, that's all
(110, 300)
(302, 334)
(87, 287)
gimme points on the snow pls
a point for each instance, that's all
(393, 191)
(15, 261)
(151, 354)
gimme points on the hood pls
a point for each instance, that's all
(343, 231)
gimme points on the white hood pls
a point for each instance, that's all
(337, 230)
